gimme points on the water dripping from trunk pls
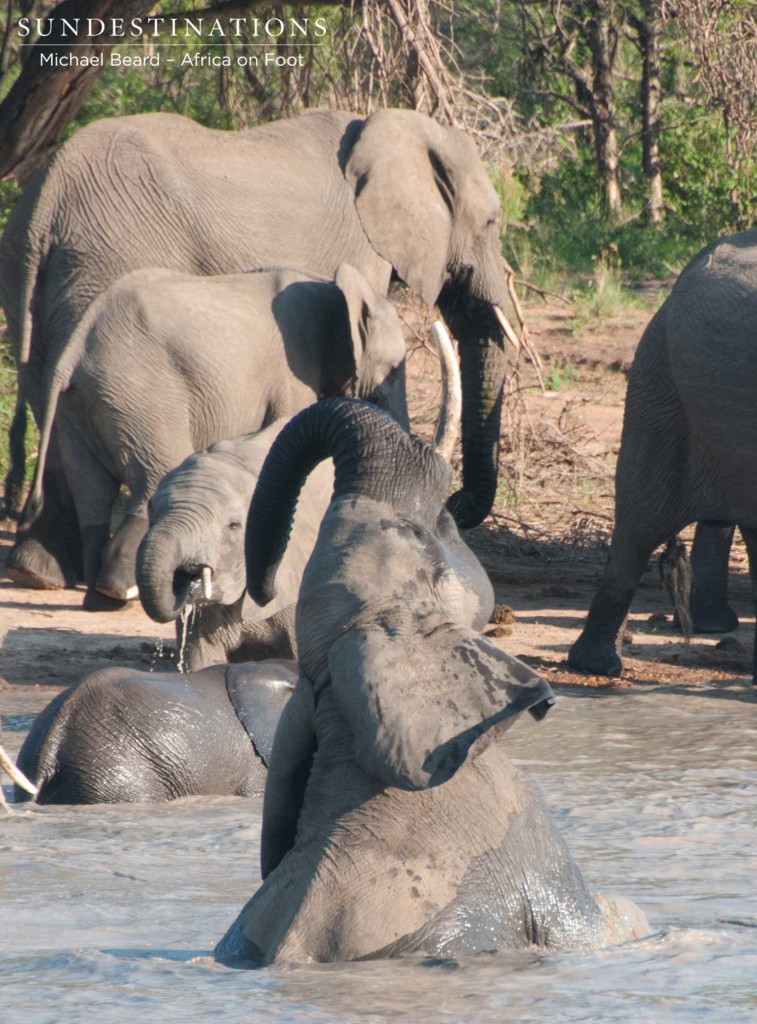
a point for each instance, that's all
(186, 618)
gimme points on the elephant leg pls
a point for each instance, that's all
(48, 555)
(750, 539)
(117, 576)
(710, 610)
(94, 491)
(653, 502)
(597, 650)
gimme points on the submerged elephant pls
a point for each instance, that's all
(123, 736)
(164, 363)
(392, 822)
(391, 192)
(688, 449)
(192, 556)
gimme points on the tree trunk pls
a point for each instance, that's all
(648, 30)
(602, 43)
(44, 99)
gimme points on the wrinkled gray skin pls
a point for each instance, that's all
(197, 518)
(123, 736)
(165, 363)
(391, 822)
(392, 192)
(710, 610)
(689, 443)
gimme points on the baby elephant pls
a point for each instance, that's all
(165, 363)
(123, 736)
(190, 565)
(393, 821)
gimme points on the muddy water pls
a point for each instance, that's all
(110, 913)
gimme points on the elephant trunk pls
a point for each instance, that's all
(482, 367)
(373, 457)
(165, 573)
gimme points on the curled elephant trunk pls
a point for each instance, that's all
(166, 578)
(483, 362)
(373, 457)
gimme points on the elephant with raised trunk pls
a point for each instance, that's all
(688, 451)
(392, 820)
(122, 736)
(190, 565)
(165, 363)
(391, 193)
(191, 568)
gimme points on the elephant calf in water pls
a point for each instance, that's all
(392, 822)
(190, 565)
(123, 736)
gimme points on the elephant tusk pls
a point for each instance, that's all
(207, 582)
(510, 334)
(450, 413)
(15, 773)
(132, 593)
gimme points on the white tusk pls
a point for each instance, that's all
(15, 773)
(510, 334)
(132, 593)
(450, 414)
(207, 582)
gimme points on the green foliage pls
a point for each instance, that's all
(558, 374)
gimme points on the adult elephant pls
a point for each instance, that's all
(688, 450)
(209, 357)
(392, 821)
(394, 192)
(122, 736)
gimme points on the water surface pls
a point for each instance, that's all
(110, 913)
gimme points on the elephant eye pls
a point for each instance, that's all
(235, 524)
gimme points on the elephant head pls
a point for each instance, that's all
(427, 206)
(193, 552)
(391, 597)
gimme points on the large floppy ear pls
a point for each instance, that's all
(417, 706)
(361, 302)
(259, 692)
(402, 170)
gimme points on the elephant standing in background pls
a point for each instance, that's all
(190, 565)
(688, 449)
(193, 553)
(393, 192)
(165, 363)
(392, 821)
(122, 736)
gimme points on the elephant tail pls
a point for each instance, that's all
(57, 379)
(676, 575)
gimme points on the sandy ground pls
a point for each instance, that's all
(544, 547)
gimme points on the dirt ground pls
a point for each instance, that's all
(544, 546)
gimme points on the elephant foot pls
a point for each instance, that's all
(715, 619)
(116, 578)
(595, 658)
(94, 601)
(30, 564)
(118, 591)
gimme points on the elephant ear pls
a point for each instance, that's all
(259, 692)
(403, 175)
(417, 706)
(361, 306)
